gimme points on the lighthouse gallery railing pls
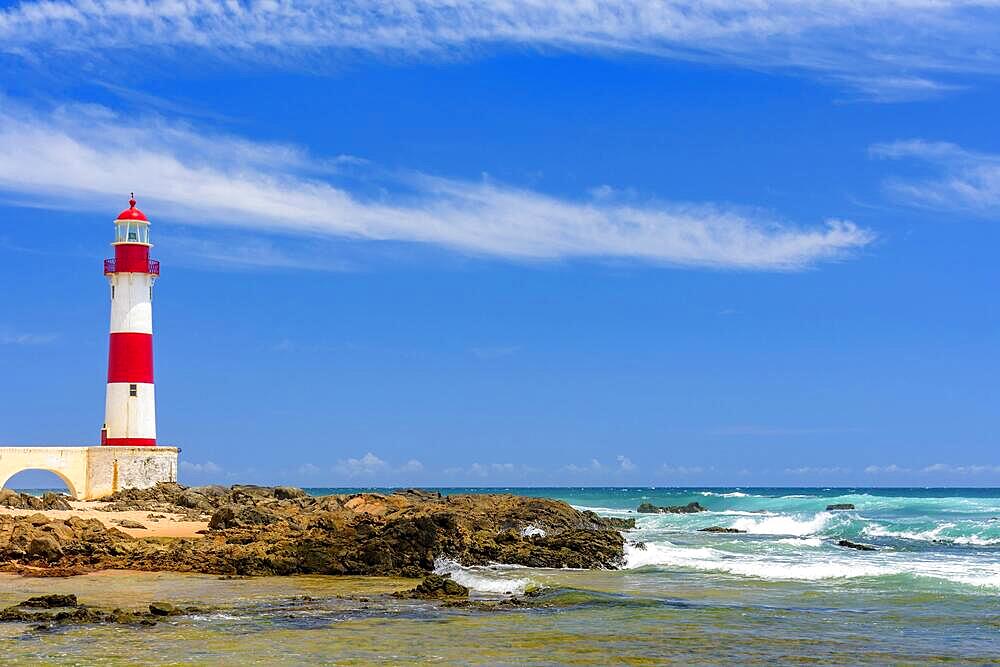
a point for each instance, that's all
(153, 266)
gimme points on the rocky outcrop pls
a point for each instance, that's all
(720, 529)
(24, 501)
(265, 531)
(46, 611)
(690, 508)
(839, 506)
(435, 587)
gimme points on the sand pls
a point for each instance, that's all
(170, 526)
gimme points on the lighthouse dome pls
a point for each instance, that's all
(132, 213)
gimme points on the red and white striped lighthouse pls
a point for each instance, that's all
(130, 410)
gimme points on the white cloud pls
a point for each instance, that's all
(309, 470)
(7, 338)
(625, 464)
(593, 467)
(91, 154)
(681, 470)
(965, 181)
(411, 466)
(890, 47)
(202, 468)
(962, 470)
(891, 469)
(366, 466)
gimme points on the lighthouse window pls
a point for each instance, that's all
(112, 291)
(133, 390)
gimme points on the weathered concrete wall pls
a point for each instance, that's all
(111, 469)
(94, 472)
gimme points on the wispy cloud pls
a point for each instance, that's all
(889, 48)
(964, 180)
(202, 179)
(17, 338)
(371, 466)
(818, 470)
(207, 468)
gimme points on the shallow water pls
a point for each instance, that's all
(782, 593)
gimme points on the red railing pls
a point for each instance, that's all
(153, 267)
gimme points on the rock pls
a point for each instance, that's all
(45, 547)
(55, 501)
(129, 523)
(163, 609)
(254, 532)
(690, 508)
(51, 601)
(856, 545)
(839, 506)
(435, 586)
(288, 492)
(720, 529)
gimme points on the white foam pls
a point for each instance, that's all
(934, 534)
(483, 579)
(803, 566)
(801, 541)
(784, 525)
(732, 494)
(531, 531)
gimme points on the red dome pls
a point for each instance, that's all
(132, 213)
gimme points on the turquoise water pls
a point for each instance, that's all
(781, 593)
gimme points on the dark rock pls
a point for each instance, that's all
(163, 609)
(839, 506)
(720, 529)
(129, 523)
(51, 601)
(690, 508)
(435, 586)
(55, 501)
(856, 545)
(288, 492)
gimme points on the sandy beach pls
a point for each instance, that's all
(157, 524)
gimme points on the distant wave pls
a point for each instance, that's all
(812, 567)
(784, 525)
(732, 494)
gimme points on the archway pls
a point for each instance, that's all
(36, 480)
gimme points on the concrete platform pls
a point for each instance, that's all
(94, 472)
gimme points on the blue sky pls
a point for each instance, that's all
(524, 243)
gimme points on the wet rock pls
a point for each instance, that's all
(163, 609)
(435, 586)
(690, 508)
(129, 523)
(720, 529)
(839, 506)
(51, 601)
(856, 545)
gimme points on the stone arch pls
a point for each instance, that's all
(69, 464)
(6, 475)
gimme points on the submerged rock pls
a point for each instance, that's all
(46, 611)
(720, 529)
(435, 586)
(51, 601)
(856, 545)
(839, 506)
(690, 508)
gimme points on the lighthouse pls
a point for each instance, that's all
(130, 407)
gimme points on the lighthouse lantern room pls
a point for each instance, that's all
(130, 410)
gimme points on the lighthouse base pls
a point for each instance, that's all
(94, 472)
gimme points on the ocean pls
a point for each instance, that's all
(781, 592)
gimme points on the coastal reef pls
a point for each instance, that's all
(281, 530)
